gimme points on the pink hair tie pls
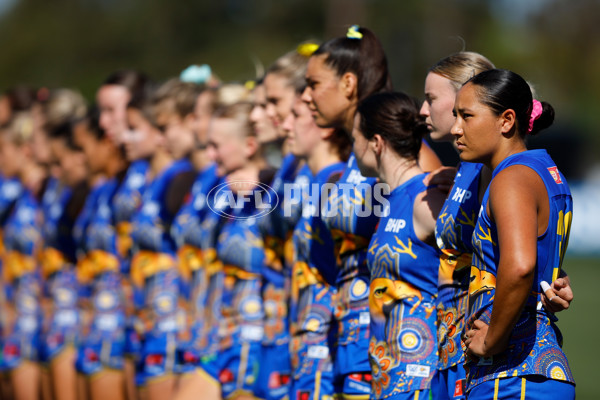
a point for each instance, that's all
(536, 111)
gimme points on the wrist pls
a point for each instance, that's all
(493, 347)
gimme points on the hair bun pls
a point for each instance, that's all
(545, 120)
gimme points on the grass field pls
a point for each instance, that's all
(580, 325)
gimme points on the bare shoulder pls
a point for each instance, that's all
(515, 179)
(427, 207)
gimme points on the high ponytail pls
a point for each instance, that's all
(361, 53)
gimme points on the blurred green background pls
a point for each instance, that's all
(555, 44)
(580, 326)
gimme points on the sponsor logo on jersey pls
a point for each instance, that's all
(555, 175)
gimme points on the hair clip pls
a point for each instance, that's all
(353, 32)
(250, 85)
(198, 74)
(536, 112)
(307, 49)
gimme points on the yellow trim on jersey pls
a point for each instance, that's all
(523, 388)
(354, 396)
(317, 385)
(208, 377)
(496, 386)
(243, 364)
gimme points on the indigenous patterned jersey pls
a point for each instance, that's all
(153, 266)
(100, 268)
(453, 231)
(210, 229)
(59, 245)
(187, 232)
(352, 222)
(22, 278)
(276, 229)
(82, 222)
(240, 249)
(10, 190)
(22, 229)
(126, 202)
(535, 343)
(404, 273)
(315, 269)
(57, 261)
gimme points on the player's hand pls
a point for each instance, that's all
(474, 340)
(558, 296)
(442, 177)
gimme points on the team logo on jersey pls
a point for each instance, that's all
(555, 175)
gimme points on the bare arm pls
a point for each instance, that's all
(519, 206)
(442, 178)
(428, 160)
(426, 210)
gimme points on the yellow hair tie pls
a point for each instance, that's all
(307, 49)
(353, 32)
(249, 85)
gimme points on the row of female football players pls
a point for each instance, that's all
(138, 261)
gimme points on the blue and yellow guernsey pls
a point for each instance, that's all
(534, 347)
(404, 275)
(153, 266)
(80, 235)
(99, 270)
(276, 230)
(240, 249)
(453, 231)
(59, 245)
(126, 203)
(187, 233)
(314, 275)
(352, 220)
(10, 190)
(209, 230)
(57, 261)
(22, 279)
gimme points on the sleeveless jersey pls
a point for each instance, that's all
(100, 268)
(84, 266)
(58, 260)
(352, 223)
(21, 275)
(241, 252)
(535, 344)
(10, 190)
(453, 232)
(276, 230)
(126, 202)
(153, 266)
(315, 269)
(210, 228)
(404, 273)
(187, 233)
